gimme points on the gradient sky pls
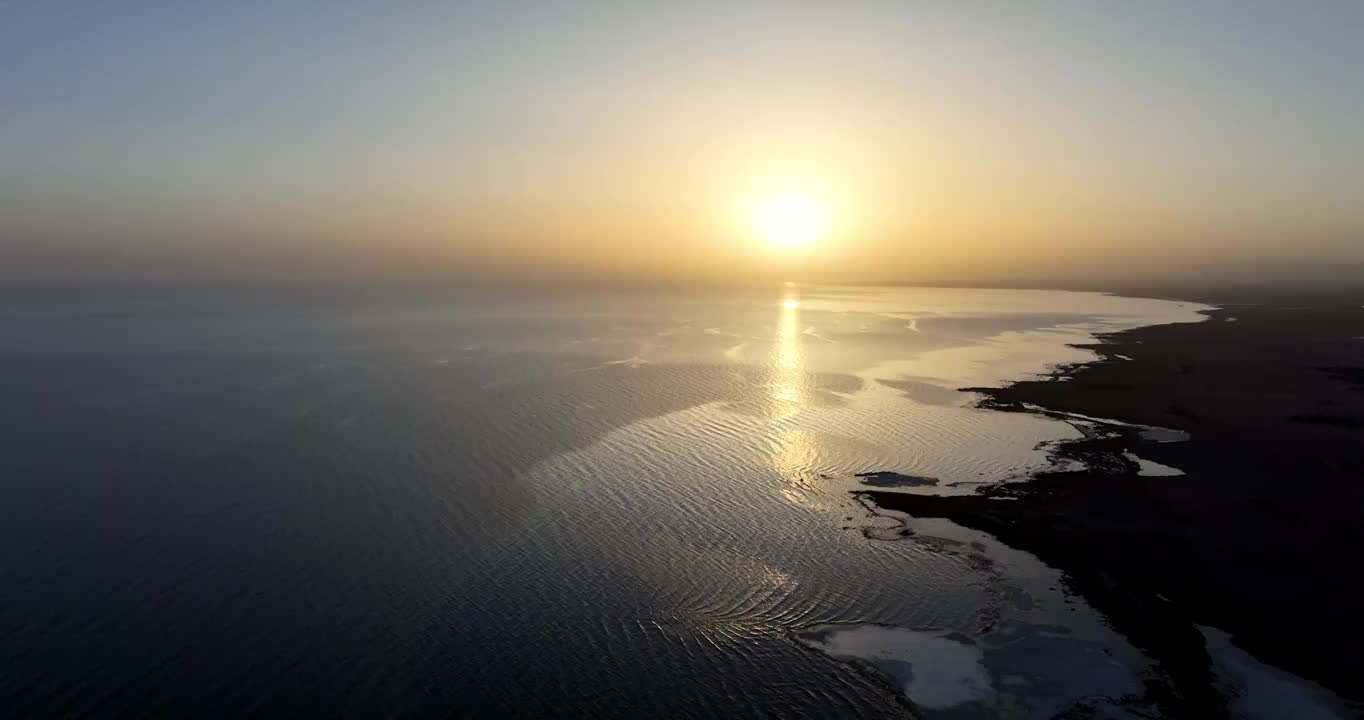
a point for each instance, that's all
(953, 143)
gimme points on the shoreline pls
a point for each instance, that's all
(1251, 539)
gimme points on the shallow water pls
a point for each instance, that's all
(601, 504)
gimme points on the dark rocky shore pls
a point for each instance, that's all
(1261, 537)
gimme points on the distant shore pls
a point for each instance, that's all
(1260, 537)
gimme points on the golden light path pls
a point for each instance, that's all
(793, 453)
(789, 362)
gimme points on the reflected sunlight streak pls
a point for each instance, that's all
(793, 454)
(789, 360)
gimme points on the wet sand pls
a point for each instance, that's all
(1259, 537)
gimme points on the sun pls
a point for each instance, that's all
(790, 221)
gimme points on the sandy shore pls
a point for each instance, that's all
(1261, 534)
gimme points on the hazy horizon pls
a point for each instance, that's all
(743, 358)
(1071, 145)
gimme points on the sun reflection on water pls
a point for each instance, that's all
(788, 392)
(793, 452)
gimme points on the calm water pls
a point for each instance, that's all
(596, 504)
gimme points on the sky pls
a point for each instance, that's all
(988, 143)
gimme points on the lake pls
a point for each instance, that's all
(529, 503)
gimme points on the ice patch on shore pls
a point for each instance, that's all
(889, 479)
(1256, 691)
(1017, 670)
(1147, 432)
(1163, 435)
(1149, 468)
(936, 670)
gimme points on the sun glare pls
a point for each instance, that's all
(790, 221)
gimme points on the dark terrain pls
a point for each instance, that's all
(1260, 538)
